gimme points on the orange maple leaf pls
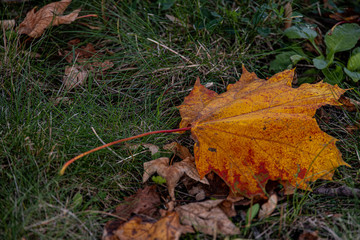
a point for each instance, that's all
(262, 130)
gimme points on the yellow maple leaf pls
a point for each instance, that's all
(262, 130)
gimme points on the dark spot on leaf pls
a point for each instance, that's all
(212, 149)
(264, 128)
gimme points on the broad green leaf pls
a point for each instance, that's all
(251, 213)
(300, 32)
(333, 76)
(297, 58)
(344, 37)
(166, 4)
(282, 61)
(354, 60)
(355, 76)
(309, 76)
(320, 62)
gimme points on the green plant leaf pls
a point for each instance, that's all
(251, 213)
(305, 32)
(297, 58)
(333, 76)
(354, 61)
(309, 76)
(320, 62)
(355, 76)
(166, 4)
(344, 37)
(158, 180)
(282, 61)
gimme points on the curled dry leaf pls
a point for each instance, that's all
(207, 217)
(146, 201)
(35, 23)
(74, 76)
(172, 173)
(181, 151)
(262, 130)
(198, 192)
(268, 208)
(141, 227)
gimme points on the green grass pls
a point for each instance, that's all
(42, 125)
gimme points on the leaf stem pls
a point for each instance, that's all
(62, 171)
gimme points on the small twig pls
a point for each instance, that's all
(177, 67)
(339, 191)
(105, 143)
(173, 51)
(132, 156)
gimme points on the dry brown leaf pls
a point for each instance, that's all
(102, 66)
(181, 151)
(87, 56)
(74, 76)
(307, 235)
(207, 217)
(146, 201)
(7, 24)
(198, 192)
(152, 148)
(350, 105)
(172, 173)
(287, 14)
(141, 227)
(262, 130)
(288, 188)
(81, 54)
(268, 208)
(35, 24)
(227, 207)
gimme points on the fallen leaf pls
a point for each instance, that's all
(81, 54)
(146, 201)
(141, 227)
(287, 15)
(74, 76)
(35, 24)
(307, 235)
(262, 130)
(350, 105)
(181, 151)
(198, 192)
(207, 217)
(7, 24)
(102, 66)
(251, 214)
(152, 148)
(268, 208)
(172, 173)
(87, 56)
